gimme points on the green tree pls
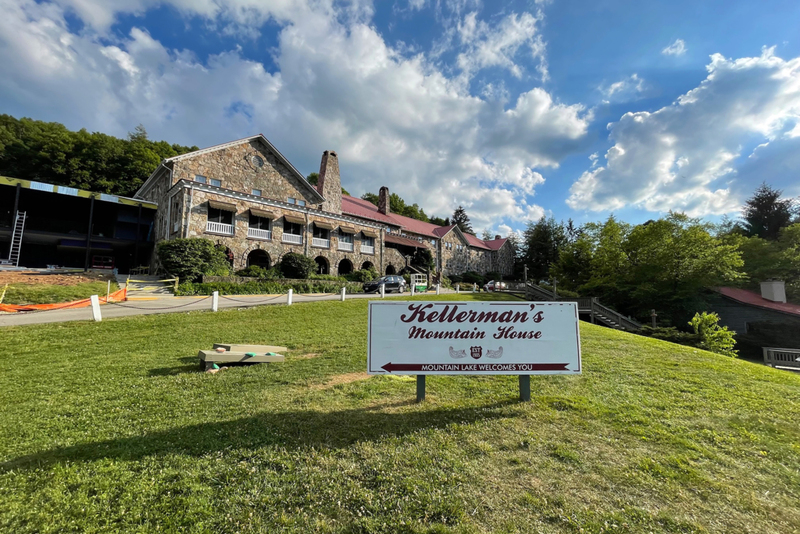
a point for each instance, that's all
(542, 242)
(438, 221)
(461, 220)
(714, 338)
(765, 213)
(190, 258)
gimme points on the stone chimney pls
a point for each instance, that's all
(774, 290)
(497, 237)
(383, 201)
(329, 184)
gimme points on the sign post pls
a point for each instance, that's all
(473, 338)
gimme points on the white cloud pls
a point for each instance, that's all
(395, 120)
(685, 156)
(626, 89)
(497, 46)
(678, 48)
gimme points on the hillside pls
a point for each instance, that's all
(109, 427)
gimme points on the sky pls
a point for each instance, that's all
(513, 110)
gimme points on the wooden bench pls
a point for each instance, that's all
(782, 358)
(240, 354)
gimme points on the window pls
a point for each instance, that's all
(301, 202)
(216, 183)
(292, 228)
(220, 216)
(433, 242)
(291, 200)
(256, 192)
(259, 223)
(345, 238)
(368, 241)
(200, 178)
(321, 233)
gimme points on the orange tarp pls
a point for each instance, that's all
(116, 296)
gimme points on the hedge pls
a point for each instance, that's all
(261, 287)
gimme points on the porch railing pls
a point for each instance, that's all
(320, 242)
(258, 233)
(219, 228)
(789, 358)
(346, 246)
(367, 249)
(292, 238)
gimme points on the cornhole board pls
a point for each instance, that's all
(249, 348)
(209, 357)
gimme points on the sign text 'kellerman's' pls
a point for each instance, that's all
(511, 324)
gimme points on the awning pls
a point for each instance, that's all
(224, 206)
(323, 224)
(370, 233)
(397, 240)
(347, 230)
(262, 213)
(296, 219)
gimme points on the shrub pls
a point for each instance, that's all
(471, 277)
(671, 334)
(332, 277)
(456, 278)
(190, 258)
(713, 337)
(254, 271)
(260, 287)
(295, 265)
(493, 275)
(364, 275)
(446, 282)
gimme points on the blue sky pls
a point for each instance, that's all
(512, 109)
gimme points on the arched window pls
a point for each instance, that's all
(345, 267)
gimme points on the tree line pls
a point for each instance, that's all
(669, 263)
(49, 152)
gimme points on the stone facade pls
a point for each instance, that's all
(254, 176)
(237, 168)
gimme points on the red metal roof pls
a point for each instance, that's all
(754, 299)
(359, 207)
(495, 244)
(396, 239)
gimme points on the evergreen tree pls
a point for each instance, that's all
(461, 220)
(543, 242)
(765, 213)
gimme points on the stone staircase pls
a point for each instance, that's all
(144, 286)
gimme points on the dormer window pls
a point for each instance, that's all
(215, 182)
(200, 179)
(256, 192)
(299, 202)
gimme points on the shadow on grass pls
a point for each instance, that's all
(169, 371)
(292, 429)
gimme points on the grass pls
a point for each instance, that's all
(52, 294)
(108, 427)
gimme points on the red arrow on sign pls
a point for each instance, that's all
(475, 367)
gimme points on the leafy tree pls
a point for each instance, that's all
(778, 259)
(765, 213)
(190, 258)
(461, 220)
(398, 205)
(543, 242)
(487, 235)
(295, 265)
(438, 221)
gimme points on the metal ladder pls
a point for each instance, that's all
(16, 238)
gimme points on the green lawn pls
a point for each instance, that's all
(51, 294)
(109, 427)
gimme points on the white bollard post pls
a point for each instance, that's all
(95, 300)
(383, 291)
(458, 288)
(412, 290)
(473, 287)
(438, 288)
(289, 298)
(108, 291)
(215, 301)
(343, 291)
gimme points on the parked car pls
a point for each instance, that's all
(491, 285)
(391, 284)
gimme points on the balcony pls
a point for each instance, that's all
(292, 238)
(219, 228)
(320, 242)
(257, 233)
(348, 247)
(367, 249)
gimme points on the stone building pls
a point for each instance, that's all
(246, 196)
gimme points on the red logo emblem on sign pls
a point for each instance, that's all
(476, 352)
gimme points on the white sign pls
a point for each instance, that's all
(473, 338)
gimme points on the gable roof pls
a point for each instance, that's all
(315, 194)
(752, 298)
(495, 244)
